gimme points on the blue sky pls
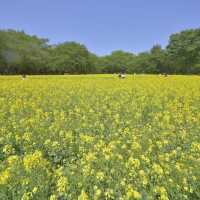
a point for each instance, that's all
(102, 25)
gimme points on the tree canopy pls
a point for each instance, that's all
(21, 53)
(184, 50)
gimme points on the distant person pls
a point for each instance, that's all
(122, 75)
(23, 76)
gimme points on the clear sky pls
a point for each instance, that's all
(102, 25)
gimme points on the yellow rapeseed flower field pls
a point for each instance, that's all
(100, 137)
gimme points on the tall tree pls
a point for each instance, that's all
(159, 59)
(184, 49)
(23, 53)
(71, 57)
(116, 62)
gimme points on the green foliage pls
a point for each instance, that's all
(116, 62)
(71, 57)
(184, 49)
(21, 53)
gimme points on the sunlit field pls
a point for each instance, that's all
(100, 137)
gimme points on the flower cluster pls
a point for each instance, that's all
(97, 137)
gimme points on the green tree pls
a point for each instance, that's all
(160, 60)
(184, 50)
(71, 57)
(2, 61)
(143, 63)
(23, 53)
(116, 62)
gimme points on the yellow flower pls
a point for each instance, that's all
(157, 169)
(195, 147)
(97, 193)
(4, 177)
(100, 175)
(162, 192)
(90, 157)
(83, 196)
(146, 159)
(133, 194)
(53, 197)
(86, 138)
(34, 161)
(62, 184)
(123, 183)
(135, 163)
(12, 160)
(27, 136)
(109, 193)
(35, 189)
(178, 166)
(141, 173)
(8, 149)
(27, 196)
(136, 146)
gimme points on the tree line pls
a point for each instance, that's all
(21, 53)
